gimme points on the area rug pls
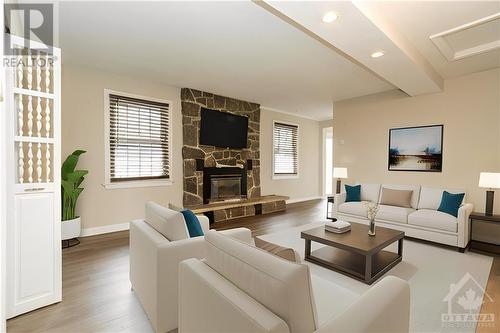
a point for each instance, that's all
(447, 287)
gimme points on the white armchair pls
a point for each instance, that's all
(154, 261)
(240, 288)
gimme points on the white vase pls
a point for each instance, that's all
(71, 228)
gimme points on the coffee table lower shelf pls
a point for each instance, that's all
(365, 268)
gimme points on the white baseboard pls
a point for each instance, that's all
(294, 200)
(106, 229)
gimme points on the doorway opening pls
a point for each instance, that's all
(328, 161)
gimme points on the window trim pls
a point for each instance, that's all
(107, 165)
(283, 176)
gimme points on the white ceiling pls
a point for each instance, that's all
(278, 54)
(235, 49)
(418, 20)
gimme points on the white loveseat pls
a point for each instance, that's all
(241, 288)
(154, 260)
(422, 220)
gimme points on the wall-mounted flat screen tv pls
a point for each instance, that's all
(222, 129)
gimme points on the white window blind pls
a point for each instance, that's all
(138, 139)
(285, 148)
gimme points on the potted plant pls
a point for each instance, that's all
(71, 180)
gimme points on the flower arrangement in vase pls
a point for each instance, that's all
(371, 212)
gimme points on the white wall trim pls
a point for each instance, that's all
(106, 229)
(295, 200)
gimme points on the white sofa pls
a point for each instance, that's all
(154, 260)
(240, 288)
(422, 220)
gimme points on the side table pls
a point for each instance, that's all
(480, 245)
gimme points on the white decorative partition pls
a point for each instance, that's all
(33, 179)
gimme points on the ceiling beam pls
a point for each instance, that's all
(360, 31)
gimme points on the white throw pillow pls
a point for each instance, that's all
(370, 192)
(430, 198)
(166, 221)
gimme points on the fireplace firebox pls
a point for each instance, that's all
(221, 184)
(225, 187)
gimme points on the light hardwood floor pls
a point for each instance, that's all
(96, 288)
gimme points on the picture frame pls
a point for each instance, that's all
(418, 148)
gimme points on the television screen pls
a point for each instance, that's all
(223, 129)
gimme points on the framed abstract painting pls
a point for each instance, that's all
(416, 149)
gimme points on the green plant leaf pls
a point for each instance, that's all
(69, 164)
(67, 186)
(76, 175)
(70, 182)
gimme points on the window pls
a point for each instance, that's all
(285, 150)
(138, 140)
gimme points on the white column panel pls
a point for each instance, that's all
(34, 247)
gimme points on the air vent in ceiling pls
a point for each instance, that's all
(470, 39)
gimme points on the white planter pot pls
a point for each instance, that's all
(71, 228)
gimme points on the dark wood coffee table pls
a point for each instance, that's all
(354, 253)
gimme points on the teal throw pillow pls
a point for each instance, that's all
(353, 193)
(450, 203)
(192, 223)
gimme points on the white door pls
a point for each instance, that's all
(33, 228)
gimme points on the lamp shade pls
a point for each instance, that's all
(489, 180)
(339, 172)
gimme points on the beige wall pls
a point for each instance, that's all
(307, 185)
(83, 128)
(469, 108)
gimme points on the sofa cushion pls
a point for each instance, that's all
(398, 198)
(450, 203)
(370, 192)
(167, 222)
(393, 213)
(353, 193)
(430, 198)
(286, 253)
(433, 219)
(353, 208)
(414, 188)
(281, 286)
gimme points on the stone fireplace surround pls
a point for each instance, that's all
(197, 157)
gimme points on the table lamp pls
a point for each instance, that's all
(339, 173)
(489, 180)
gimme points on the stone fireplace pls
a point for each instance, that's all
(200, 161)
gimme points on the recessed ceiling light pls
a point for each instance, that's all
(377, 54)
(329, 17)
